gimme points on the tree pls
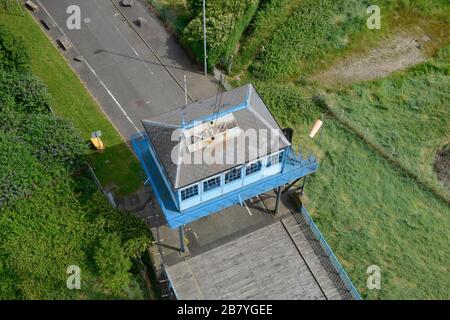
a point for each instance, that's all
(112, 264)
(13, 54)
(225, 23)
(27, 92)
(195, 7)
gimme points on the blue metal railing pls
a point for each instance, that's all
(334, 261)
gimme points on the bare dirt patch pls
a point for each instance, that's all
(442, 166)
(397, 53)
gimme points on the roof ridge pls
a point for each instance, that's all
(167, 125)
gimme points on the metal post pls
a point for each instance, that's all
(181, 231)
(277, 204)
(319, 143)
(204, 37)
(185, 91)
(303, 186)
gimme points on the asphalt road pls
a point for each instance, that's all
(120, 70)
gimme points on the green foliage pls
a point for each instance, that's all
(13, 55)
(269, 17)
(54, 140)
(132, 231)
(195, 7)
(225, 23)
(315, 29)
(112, 264)
(21, 91)
(396, 114)
(286, 102)
(20, 173)
(51, 213)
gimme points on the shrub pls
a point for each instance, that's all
(314, 29)
(54, 140)
(20, 173)
(13, 54)
(112, 264)
(23, 92)
(225, 23)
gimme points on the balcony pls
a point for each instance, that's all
(295, 167)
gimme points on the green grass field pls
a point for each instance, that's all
(396, 114)
(116, 166)
(291, 40)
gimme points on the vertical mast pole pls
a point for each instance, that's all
(204, 38)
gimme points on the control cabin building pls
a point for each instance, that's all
(216, 153)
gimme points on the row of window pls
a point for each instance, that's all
(189, 192)
(274, 159)
(230, 176)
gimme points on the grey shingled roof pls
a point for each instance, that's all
(164, 129)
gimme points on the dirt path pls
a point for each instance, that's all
(442, 166)
(397, 53)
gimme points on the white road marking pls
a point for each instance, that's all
(126, 40)
(112, 96)
(249, 212)
(92, 70)
(195, 235)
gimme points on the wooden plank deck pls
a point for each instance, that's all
(314, 255)
(270, 263)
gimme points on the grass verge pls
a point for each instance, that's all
(116, 166)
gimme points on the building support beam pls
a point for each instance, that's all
(303, 186)
(277, 204)
(181, 232)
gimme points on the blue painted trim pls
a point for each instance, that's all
(135, 141)
(171, 283)
(334, 261)
(243, 193)
(193, 123)
(161, 169)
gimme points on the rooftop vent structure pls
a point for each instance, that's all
(207, 134)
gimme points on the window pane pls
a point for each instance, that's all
(189, 192)
(211, 184)
(274, 159)
(253, 168)
(233, 175)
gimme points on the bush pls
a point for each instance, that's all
(54, 140)
(314, 29)
(112, 264)
(195, 7)
(225, 23)
(23, 92)
(20, 173)
(51, 215)
(13, 54)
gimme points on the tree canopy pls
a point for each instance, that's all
(51, 214)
